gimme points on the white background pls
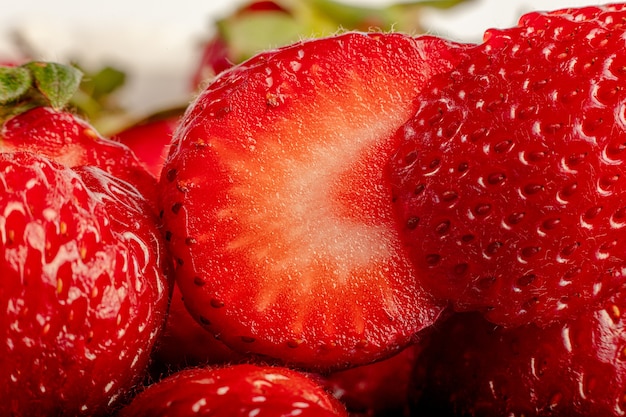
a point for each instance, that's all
(157, 41)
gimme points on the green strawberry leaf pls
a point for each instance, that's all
(14, 83)
(251, 33)
(103, 82)
(36, 84)
(96, 99)
(57, 82)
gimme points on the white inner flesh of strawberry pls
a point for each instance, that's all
(310, 200)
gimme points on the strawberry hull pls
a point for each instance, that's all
(277, 210)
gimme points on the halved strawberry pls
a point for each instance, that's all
(276, 207)
(232, 391)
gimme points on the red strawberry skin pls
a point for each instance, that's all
(237, 390)
(276, 208)
(510, 183)
(185, 343)
(83, 291)
(66, 138)
(471, 367)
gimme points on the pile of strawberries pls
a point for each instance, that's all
(366, 224)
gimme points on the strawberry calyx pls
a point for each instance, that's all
(35, 84)
(96, 101)
(87, 93)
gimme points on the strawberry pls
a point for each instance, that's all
(509, 182)
(149, 139)
(238, 390)
(83, 291)
(275, 205)
(472, 367)
(33, 118)
(184, 342)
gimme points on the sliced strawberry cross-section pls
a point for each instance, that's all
(277, 209)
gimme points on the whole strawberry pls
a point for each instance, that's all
(150, 138)
(81, 257)
(235, 391)
(471, 367)
(34, 117)
(276, 208)
(509, 184)
(82, 291)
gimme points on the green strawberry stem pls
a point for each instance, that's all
(35, 84)
(89, 94)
